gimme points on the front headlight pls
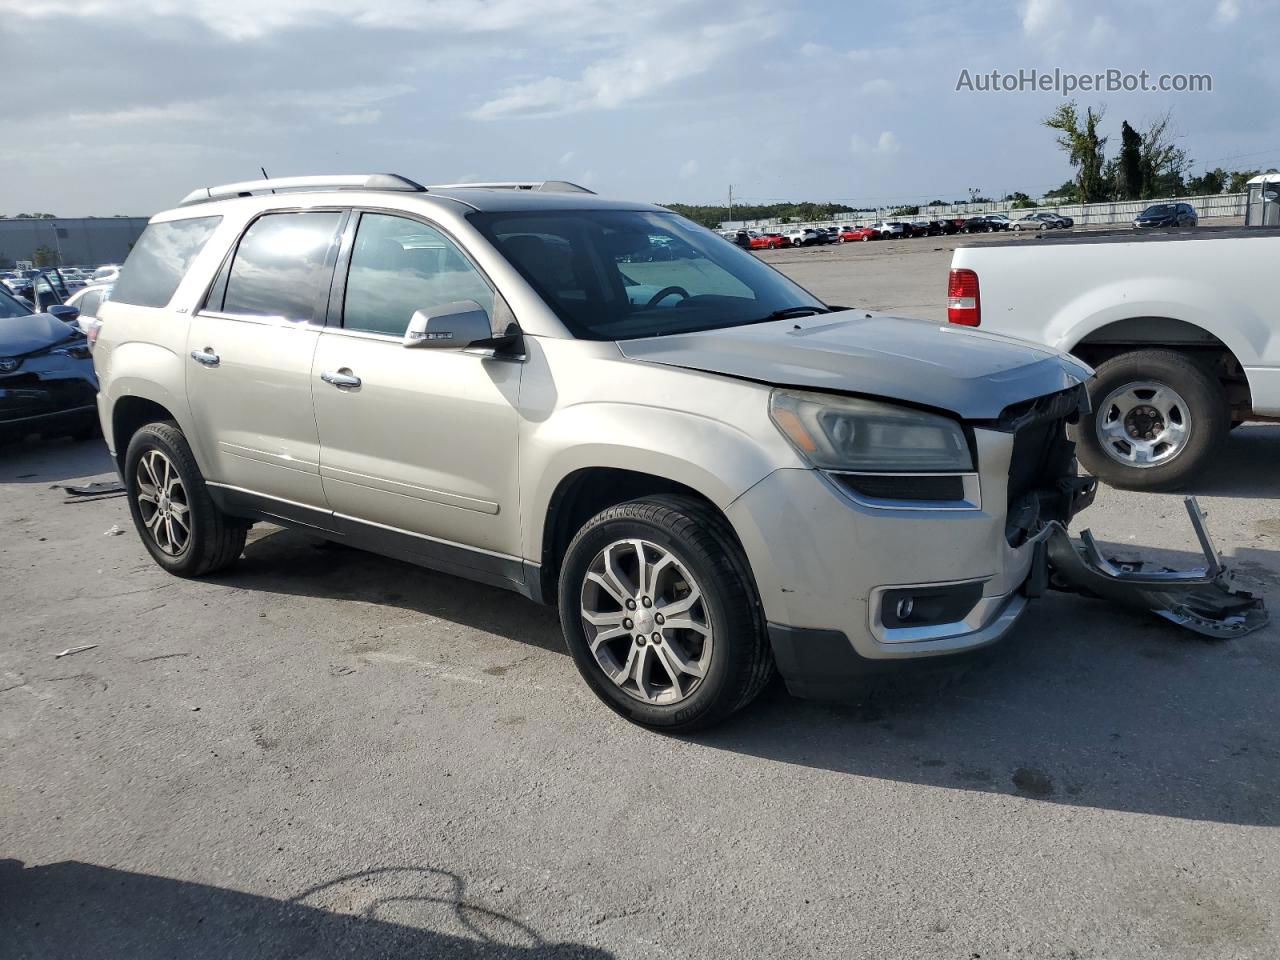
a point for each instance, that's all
(847, 433)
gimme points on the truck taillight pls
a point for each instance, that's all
(963, 303)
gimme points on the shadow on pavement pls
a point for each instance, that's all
(71, 910)
(51, 461)
(1084, 704)
(1245, 466)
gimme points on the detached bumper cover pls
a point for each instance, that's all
(1204, 600)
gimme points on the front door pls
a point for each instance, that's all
(417, 445)
(249, 354)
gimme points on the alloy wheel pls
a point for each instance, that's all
(163, 504)
(646, 621)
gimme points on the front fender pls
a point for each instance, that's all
(718, 460)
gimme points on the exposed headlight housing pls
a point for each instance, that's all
(866, 436)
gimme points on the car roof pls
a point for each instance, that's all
(459, 199)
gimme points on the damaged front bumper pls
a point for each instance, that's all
(1203, 599)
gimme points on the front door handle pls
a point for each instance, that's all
(205, 356)
(342, 378)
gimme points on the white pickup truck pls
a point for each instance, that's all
(1183, 328)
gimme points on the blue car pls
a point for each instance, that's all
(47, 381)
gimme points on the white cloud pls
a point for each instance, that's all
(877, 87)
(1227, 11)
(567, 158)
(812, 49)
(358, 117)
(1041, 16)
(643, 66)
(689, 169)
(888, 143)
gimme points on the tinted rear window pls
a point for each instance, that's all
(280, 266)
(160, 259)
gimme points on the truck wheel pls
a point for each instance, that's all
(1157, 418)
(180, 525)
(660, 612)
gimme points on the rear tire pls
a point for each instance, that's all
(731, 643)
(212, 540)
(1203, 408)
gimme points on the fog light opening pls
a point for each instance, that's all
(905, 608)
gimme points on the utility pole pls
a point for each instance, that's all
(731, 203)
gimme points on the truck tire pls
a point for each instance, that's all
(660, 611)
(180, 525)
(1158, 417)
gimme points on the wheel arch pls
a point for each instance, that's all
(1132, 334)
(578, 497)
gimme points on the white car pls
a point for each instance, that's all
(1182, 330)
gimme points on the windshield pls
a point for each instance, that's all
(9, 307)
(618, 274)
(1159, 210)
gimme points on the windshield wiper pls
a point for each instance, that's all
(788, 312)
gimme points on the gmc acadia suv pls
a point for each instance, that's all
(593, 403)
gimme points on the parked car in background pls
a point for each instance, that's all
(87, 301)
(47, 380)
(986, 223)
(780, 241)
(1180, 327)
(1167, 215)
(807, 237)
(1038, 221)
(833, 234)
(107, 273)
(890, 229)
(860, 234)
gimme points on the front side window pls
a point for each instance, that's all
(9, 307)
(160, 259)
(280, 266)
(400, 266)
(618, 274)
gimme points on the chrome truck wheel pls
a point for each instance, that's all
(1143, 424)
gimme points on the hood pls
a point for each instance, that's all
(23, 335)
(972, 374)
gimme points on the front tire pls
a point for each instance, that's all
(661, 614)
(1158, 418)
(180, 525)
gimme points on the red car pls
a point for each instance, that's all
(768, 241)
(849, 234)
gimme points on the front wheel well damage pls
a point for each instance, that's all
(583, 494)
(1165, 333)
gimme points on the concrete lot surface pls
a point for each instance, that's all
(322, 753)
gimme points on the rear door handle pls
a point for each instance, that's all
(340, 378)
(205, 356)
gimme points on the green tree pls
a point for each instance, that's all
(36, 216)
(1069, 192)
(1163, 162)
(1019, 200)
(1078, 137)
(1129, 166)
(1239, 180)
(44, 256)
(1210, 182)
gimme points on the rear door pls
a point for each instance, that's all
(249, 353)
(420, 452)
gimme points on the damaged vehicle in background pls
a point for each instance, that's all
(47, 381)
(706, 468)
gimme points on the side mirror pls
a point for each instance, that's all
(1271, 196)
(450, 326)
(64, 313)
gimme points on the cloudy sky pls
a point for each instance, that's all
(122, 106)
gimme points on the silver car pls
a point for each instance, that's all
(593, 403)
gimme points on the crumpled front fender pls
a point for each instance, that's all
(1203, 599)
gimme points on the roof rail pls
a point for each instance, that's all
(358, 181)
(546, 186)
